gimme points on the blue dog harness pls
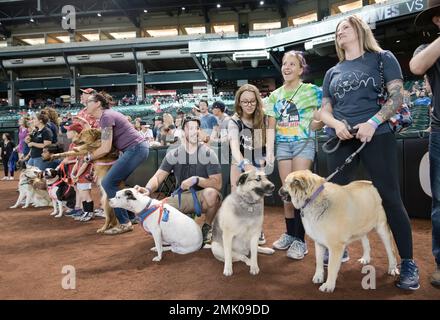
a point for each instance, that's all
(197, 207)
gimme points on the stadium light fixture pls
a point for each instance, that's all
(219, 5)
(31, 20)
(99, 14)
(261, 3)
(183, 8)
(145, 11)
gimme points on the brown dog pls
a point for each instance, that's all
(88, 141)
(336, 217)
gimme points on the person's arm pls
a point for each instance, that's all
(270, 139)
(426, 58)
(214, 181)
(73, 174)
(329, 120)
(154, 183)
(106, 143)
(394, 101)
(215, 134)
(317, 123)
(39, 145)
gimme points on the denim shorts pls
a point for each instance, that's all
(302, 149)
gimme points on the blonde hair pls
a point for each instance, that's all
(366, 39)
(52, 114)
(258, 116)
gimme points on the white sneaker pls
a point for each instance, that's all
(99, 213)
(261, 239)
(297, 250)
(5, 178)
(87, 217)
(284, 242)
(11, 178)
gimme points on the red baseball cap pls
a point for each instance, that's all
(76, 126)
(88, 90)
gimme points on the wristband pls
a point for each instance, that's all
(195, 181)
(373, 123)
(149, 190)
(376, 120)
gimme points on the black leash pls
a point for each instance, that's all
(350, 158)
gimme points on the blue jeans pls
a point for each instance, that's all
(36, 162)
(434, 162)
(120, 171)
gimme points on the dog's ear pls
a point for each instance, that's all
(298, 184)
(242, 179)
(129, 195)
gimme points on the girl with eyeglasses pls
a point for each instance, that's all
(247, 134)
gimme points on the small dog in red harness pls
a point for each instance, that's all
(60, 190)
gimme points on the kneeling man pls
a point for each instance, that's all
(198, 177)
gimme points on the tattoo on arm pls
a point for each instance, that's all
(394, 101)
(107, 133)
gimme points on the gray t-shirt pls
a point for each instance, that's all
(353, 87)
(433, 74)
(202, 163)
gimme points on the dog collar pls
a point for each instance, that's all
(313, 197)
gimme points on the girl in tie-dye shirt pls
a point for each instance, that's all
(290, 109)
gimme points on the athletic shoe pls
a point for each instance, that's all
(409, 275)
(284, 242)
(261, 239)
(87, 216)
(297, 250)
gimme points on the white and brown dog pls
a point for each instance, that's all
(165, 223)
(62, 194)
(28, 190)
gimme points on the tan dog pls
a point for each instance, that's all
(239, 221)
(336, 217)
(88, 141)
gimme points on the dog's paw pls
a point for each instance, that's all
(24, 207)
(59, 215)
(157, 258)
(364, 260)
(326, 287)
(53, 213)
(13, 207)
(154, 249)
(101, 230)
(254, 270)
(227, 271)
(318, 277)
(393, 271)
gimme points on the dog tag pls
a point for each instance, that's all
(165, 215)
